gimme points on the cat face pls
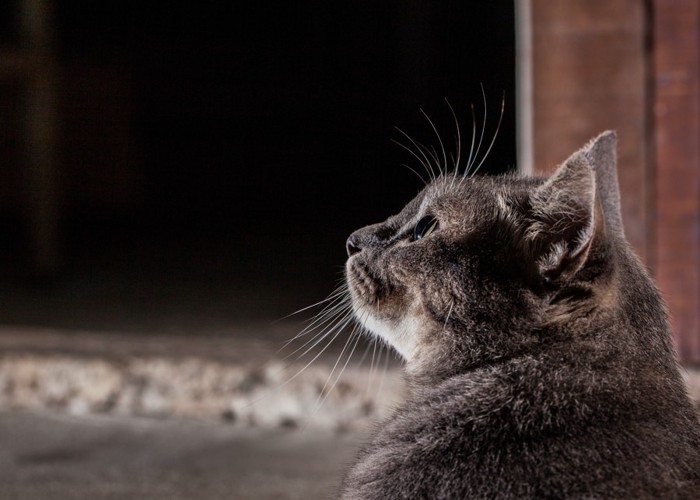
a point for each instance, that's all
(412, 276)
(475, 265)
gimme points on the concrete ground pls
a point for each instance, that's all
(205, 414)
(57, 456)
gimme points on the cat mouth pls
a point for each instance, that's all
(372, 298)
(364, 285)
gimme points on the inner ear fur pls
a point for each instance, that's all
(602, 154)
(564, 218)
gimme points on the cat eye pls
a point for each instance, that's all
(425, 226)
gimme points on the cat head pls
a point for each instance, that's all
(479, 268)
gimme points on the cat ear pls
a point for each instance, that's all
(563, 219)
(602, 155)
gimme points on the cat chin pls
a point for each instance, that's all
(399, 334)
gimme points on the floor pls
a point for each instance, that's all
(45, 455)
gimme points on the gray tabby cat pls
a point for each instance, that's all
(536, 345)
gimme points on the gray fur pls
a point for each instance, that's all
(536, 346)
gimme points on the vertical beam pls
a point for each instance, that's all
(676, 59)
(523, 86)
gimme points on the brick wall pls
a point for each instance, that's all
(633, 66)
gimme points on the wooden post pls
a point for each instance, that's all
(676, 60)
(590, 75)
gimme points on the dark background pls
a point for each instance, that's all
(214, 156)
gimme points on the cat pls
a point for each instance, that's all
(536, 346)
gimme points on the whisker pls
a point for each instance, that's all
(498, 127)
(325, 316)
(412, 170)
(458, 142)
(375, 341)
(335, 293)
(337, 378)
(433, 154)
(471, 148)
(329, 327)
(338, 326)
(425, 162)
(422, 150)
(298, 373)
(369, 345)
(428, 155)
(458, 146)
(340, 302)
(483, 126)
(447, 319)
(442, 147)
(337, 361)
(328, 309)
(324, 327)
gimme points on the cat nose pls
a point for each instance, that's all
(352, 246)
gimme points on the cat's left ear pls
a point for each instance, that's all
(564, 219)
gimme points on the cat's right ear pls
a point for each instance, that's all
(602, 155)
(563, 219)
